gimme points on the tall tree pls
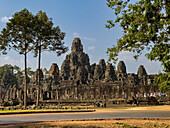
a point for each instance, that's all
(145, 24)
(18, 35)
(47, 38)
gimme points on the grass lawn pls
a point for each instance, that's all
(42, 110)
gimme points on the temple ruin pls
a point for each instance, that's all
(80, 80)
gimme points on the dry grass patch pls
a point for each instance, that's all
(156, 108)
(160, 108)
(105, 123)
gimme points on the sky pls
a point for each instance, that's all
(85, 19)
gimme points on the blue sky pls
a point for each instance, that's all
(85, 19)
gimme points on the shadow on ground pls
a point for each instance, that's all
(112, 125)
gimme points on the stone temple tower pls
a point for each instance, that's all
(121, 71)
(141, 72)
(76, 65)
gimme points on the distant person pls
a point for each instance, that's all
(127, 97)
(105, 104)
(98, 105)
(137, 103)
(134, 101)
(94, 103)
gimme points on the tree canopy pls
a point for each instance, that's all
(18, 32)
(47, 37)
(10, 75)
(145, 25)
(26, 32)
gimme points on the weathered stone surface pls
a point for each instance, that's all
(75, 63)
(121, 71)
(65, 68)
(110, 73)
(141, 71)
(76, 46)
(103, 68)
(121, 68)
(82, 75)
(132, 79)
(92, 68)
(97, 72)
(54, 72)
(36, 76)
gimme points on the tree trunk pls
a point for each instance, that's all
(25, 85)
(38, 87)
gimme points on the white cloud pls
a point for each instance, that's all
(46, 52)
(75, 34)
(18, 61)
(5, 19)
(89, 39)
(126, 56)
(94, 59)
(91, 48)
(9, 60)
(132, 65)
(152, 66)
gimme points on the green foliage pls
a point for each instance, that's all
(163, 81)
(18, 33)
(45, 71)
(9, 77)
(18, 74)
(2, 46)
(20, 77)
(145, 26)
(47, 37)
(30, 72)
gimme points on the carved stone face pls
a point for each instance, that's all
(141, 71)
(74, 61)
(121, 68)
(54, 71)
(110, 73)
(76, 46)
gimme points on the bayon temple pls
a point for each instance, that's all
(80, 80)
